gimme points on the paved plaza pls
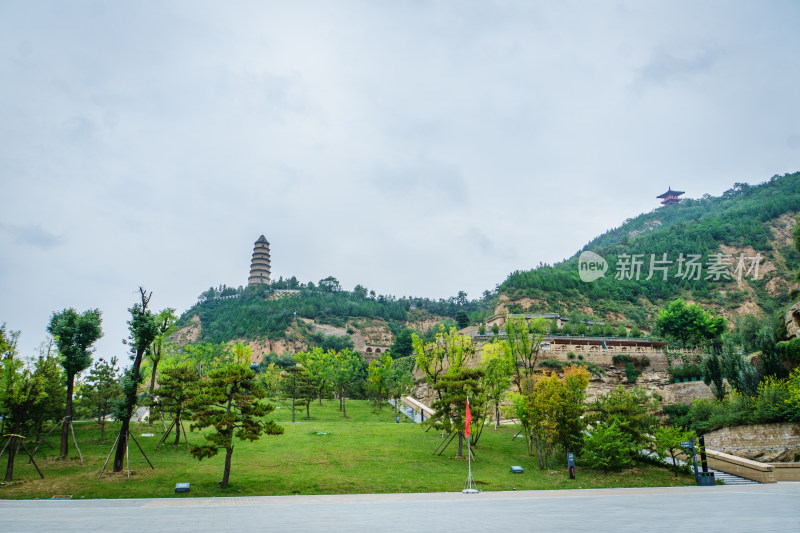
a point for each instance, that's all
(774, 507)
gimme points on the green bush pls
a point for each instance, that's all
(631, 373)
(620, 358)
(553, 363)
(570, 355)
(667, 443)
(772, 402)
(790, 349)
(638, 361)
(677, 414)
(633, 410)
(686, 371)
(609, 447)
(595, 370)
(710, 415)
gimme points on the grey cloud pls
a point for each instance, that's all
(424, 180)
(266, 94)
(33, 235)
(668, 65)
(361, 137)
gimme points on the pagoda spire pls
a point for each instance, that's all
(260, 264)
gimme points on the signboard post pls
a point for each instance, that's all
(690, 444)
(571, 464)
(702, 478)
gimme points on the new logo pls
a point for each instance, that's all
(591, 266)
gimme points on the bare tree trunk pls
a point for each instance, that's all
(130, 401)
(460, 443)
(67, 417)
(538, 451)
(496, 415)
(177, 428)
(153, 379)
(227, 473)
(342, 400)
(12, 450)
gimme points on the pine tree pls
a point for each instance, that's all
(103, 389)
(228, 401)
(177, 384)
(450, 409)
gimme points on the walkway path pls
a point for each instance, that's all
(747, 508)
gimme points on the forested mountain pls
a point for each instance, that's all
(701, 246)
(744, 221)
(268, 310)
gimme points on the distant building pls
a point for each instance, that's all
(259, 265)
(670, 197)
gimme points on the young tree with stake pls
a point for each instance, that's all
(144, 329)
(74, 335)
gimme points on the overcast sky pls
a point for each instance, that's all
(418, 148)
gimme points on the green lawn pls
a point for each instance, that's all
(365, 453)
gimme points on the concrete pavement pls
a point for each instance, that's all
(722, 508)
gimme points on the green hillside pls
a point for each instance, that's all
(744, 221)
(271, 311)
(747, 219)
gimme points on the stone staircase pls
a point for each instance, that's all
(719, 475)
(731, 479)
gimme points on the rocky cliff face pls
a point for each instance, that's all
(655, 378)
(793, 321)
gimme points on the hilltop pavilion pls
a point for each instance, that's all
(670, 197)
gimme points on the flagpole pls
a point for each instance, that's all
(469, 486)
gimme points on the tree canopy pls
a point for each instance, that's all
(690, 324)
(228, 401)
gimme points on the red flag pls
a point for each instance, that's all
(469, 418)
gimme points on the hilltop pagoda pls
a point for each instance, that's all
(670, 197)
(259, 265)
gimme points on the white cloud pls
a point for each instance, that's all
(416, 148)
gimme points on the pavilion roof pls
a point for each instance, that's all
(670, 192)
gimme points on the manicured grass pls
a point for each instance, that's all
(365, 453)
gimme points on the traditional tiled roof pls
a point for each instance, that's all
(670, 192)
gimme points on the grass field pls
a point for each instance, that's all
(365, 453)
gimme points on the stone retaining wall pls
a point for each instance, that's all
(655, 377)
(767, 443)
